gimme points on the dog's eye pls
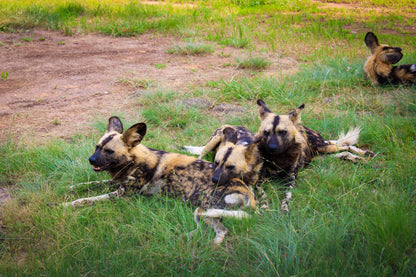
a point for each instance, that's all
(266, 133)
(215, 163)
(282, 133)
(230, 167)
(108, 151)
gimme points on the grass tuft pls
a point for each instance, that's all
(255, 63)
(191, 49)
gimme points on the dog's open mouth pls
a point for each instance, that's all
(100, 168)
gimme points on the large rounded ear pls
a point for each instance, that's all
(295, 115)
(134, 135)
(263, 109)
(392, 58)
(114, 125)
(230, 135)
(371, 41)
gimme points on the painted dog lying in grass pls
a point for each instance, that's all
(379, 68)
(236, 155)
(148, 171)
(287, 146)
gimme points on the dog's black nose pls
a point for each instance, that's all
(272, 146)
(215, 179)
(398, 49)
(92, 159)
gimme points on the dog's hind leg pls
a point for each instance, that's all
(194, 150)
(203, 150)
(91, 200)
(345, 142)
(197, 220)
(211, 145)
(212, 217)
(219, 228)
(213, 221)
(349, 156)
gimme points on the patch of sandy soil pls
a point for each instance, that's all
(57, 84)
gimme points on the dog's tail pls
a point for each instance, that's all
(195, 150)
(350, 138)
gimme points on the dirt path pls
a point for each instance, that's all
(57, 84)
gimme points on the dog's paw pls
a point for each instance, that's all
(369, 153)
(285, 206)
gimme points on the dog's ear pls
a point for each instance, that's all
(230, 135)
(295, 115)
(134, 135)
(392, 58)
(114, 125)
(252, 147)
(263, 109)
(371, 41)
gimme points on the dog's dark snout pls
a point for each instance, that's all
(272, 146)
(93, 159)
(398, 49)
(216, 176)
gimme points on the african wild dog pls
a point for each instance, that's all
(379, 66)
(149, 171)
(286, 146)
(236, 154)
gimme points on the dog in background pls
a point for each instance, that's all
(379, 68)
(287, 146)
(148, 171)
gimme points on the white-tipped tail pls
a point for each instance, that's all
(196, 150)
(349, 138)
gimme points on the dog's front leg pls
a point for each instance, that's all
(291, 184)
(91, 200)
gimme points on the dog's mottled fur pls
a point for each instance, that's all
(149, 171)
(236, 154)
(287, 146)
(379, 68)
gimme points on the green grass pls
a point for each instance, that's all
(191, 49)
(346, 219)
(255, 63)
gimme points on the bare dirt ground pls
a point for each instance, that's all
(57, 85)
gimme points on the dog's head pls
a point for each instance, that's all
(277, 133)
(113, 149)
(382, 57)
(234, 160)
